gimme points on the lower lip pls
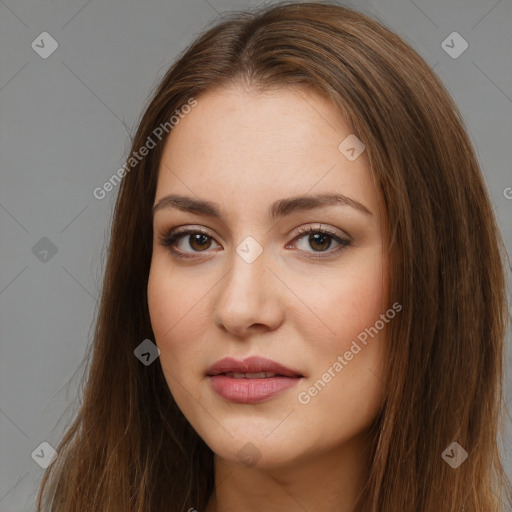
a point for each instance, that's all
(250, 391)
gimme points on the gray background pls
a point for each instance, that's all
(65, 129)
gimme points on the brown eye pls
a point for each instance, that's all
(199, 241)
(320, 240)
(196, 239)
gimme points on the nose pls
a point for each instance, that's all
(249, 297)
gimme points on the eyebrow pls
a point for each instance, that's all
(279, 209)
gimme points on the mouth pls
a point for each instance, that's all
(254, 367)
(253, 380)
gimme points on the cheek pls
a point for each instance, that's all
(349, 307)
(345, 388)
(343, 302)
(361, 301)
(175, 311)
(170, 298)
(362, 332)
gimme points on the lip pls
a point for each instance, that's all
(251, 364)
(253, 390)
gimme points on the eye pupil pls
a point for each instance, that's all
(202, 239)
(318, 236)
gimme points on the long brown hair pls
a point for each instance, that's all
(131, 449)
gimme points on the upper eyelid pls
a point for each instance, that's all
(300, 231)
(175, 235)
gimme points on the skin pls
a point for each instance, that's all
(245, 150)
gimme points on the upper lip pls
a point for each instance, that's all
(252, 364)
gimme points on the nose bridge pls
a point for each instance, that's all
(247, 269)
(248, 293)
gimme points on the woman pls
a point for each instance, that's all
(339, 344)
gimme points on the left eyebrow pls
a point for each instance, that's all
(278, 209)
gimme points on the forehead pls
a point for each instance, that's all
(247, 149)
(238, 124)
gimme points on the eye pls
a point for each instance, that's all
(321, 240)
(199, 241)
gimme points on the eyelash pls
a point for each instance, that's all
(175, 235)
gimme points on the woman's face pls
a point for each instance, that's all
(253, 285)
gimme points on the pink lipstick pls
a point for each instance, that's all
(252, 380)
